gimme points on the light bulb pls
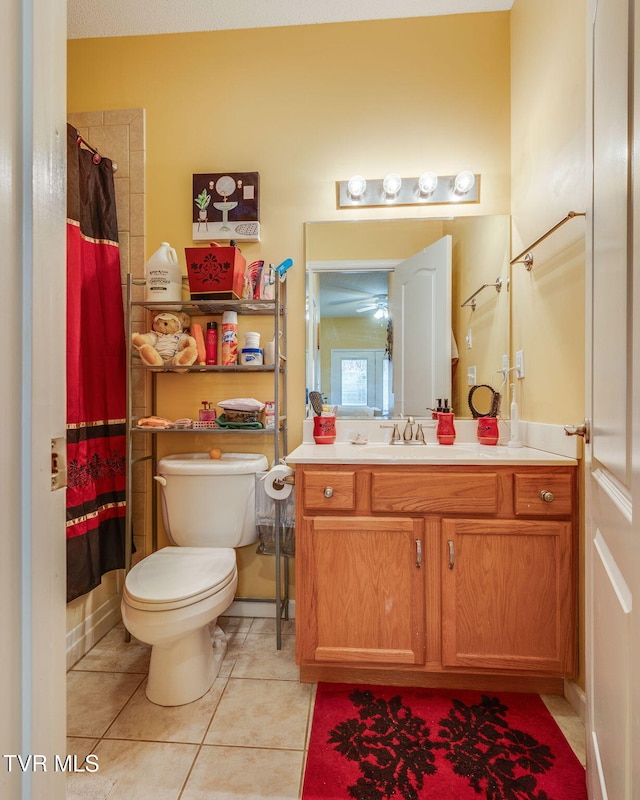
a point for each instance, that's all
(427, 183)
(392, 184)
(464, 182)
(356, 186)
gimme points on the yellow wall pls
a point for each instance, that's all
(548, 100)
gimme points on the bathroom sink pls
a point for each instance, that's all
(419, 453)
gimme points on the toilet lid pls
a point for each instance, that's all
(176, 576)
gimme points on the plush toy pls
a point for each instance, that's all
(168, 344)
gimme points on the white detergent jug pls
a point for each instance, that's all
(163, 277)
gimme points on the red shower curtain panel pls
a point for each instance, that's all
(96, 374)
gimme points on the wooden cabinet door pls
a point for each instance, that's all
(508, 595)
(360, 589)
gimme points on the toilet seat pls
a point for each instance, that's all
(175, 577)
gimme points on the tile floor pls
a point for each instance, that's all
(245, 739)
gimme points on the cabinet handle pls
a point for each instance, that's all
(328, 491)
(452, 554)
(418, 553)
(546, 496)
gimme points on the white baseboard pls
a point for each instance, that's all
(576, 698)
(85, 635)
(257, 608)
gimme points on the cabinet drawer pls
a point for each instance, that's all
(531, 489)
(329, 491)
(435, 492)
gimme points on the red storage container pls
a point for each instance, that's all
(215, 272)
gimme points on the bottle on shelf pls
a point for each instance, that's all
(163, 277)
(211, 344)
(229, 338)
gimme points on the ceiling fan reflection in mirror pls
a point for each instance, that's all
(379, 305)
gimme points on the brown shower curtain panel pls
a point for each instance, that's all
(96, 373)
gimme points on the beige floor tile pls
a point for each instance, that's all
(259, 658)
(235, 644)
(95, 698)
(81, 747)
(221, 773)
(113, 654)
(569, 723)
(235, 624)
(268, 625)
(141, 719)
(261, 713)
(134, 771)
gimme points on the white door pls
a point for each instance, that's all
(32, 286)
(612, 547)
(421, 317)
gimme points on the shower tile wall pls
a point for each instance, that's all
(120, 135)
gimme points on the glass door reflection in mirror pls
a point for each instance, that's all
(364, 250)
(360, 382)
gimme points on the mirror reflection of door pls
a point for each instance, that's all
(421, 314)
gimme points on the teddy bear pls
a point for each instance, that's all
(168, 344)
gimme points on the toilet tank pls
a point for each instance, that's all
(209, 502)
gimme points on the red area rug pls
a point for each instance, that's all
(379, 742)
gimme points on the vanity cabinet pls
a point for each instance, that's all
(507, 595)
(362, 584)
(442, 575)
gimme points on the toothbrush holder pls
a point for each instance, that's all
(488, 430)
(324, 430)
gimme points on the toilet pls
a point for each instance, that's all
(173, 597)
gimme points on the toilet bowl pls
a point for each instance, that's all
(171, 601)
(173, 597)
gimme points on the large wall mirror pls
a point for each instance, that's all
(375, 348)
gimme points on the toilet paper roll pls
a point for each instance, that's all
(273, 484)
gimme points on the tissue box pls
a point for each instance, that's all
(215, 272)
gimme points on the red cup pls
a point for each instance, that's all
(488, 430)
(446, 431)
(324, 430)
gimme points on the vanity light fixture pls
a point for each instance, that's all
(464, 182)
(391, 183)
(427, 183)
(393, 190)
(356, 187)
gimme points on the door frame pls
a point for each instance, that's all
(32, 547)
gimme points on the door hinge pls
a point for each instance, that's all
(58, 463)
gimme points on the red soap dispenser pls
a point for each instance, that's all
(446, 431)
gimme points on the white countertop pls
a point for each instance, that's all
(461, 454)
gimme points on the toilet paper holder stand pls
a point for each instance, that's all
(278, 483)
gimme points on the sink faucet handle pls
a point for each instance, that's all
(395, 433)
(420, 434)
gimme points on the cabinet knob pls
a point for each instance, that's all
(546, 496)
(328, 491)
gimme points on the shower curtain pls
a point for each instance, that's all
(96, 373)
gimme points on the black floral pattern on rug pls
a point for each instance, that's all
(395, 751)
